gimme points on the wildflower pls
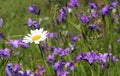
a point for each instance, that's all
(115, 58)
(32, 9)
(118, 39)
(70, 65)
(103, 57)
(22, 44)
(58, 66)
(2, 35)
(80, 56)
(40, 70)
(8, 69)
(35, 36)
(74, 38)
(73, 3)
(84, 19)
(94, 14)
(93, 5)
(62, 14)
(1, 22)
(91, 56)
(92, 27)
(114, 4)
(4, 53)
(14, 43)
(35, 24)
(50, 58)
(105, 10)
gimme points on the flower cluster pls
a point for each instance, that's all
(15, 71)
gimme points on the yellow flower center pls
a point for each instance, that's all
(36, 37)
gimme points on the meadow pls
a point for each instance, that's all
(60, 38)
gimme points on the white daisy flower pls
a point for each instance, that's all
(35, 36)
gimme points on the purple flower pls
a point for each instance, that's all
(91, 56)
(70, 65)
(52, 35)
(73, 3)
(4, 53)
(63, 73)
(35, 24)
(94, 14)
(74, 38)
(14, 43)
(103, 57)
(39, 11)
(118, 40)
(84, 19)
(62, 14)
(50, 58)
(64, 52)
(114, 4)
(15, 69)
(103, 66)
(80, 56)
(80, 36)
(92, 27)
(1, 22)
(2, 35)
(40, 71)
(105, 10)
(32, 9)
(115, 59)
(58, 66)
(22, 44)
(8, 69)
(93, 5)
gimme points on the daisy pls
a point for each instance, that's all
(36, 36)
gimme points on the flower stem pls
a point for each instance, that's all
(41, 51)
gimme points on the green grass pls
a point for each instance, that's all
(15, 14)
